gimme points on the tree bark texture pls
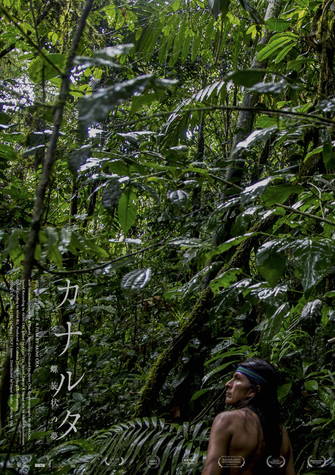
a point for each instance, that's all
(245, 118)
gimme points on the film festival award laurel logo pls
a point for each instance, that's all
(153, 461)
(231, 461)
(188, 464)
(319, 462)
(275, 462)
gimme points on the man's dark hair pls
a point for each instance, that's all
(265, 404)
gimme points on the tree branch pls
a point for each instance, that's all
(100, 266)
(307, 215)
(264, 110)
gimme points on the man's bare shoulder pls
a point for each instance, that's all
(228, 418)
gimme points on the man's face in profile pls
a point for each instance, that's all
(238, 388)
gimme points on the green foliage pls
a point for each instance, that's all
(173, 444)
(143, 210)
(47, 67)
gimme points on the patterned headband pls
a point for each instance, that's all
(251, 374)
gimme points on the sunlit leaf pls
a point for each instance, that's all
(235, 241)
(252, 191)
(277, 24)
(311, 309)
(256, 137)
(277, 42)
(225, 279)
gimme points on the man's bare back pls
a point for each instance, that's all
(237, 439)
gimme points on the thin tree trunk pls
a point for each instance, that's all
(39, 204)
(50, 156)
(245, 119)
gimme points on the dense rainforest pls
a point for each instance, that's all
(167, 179)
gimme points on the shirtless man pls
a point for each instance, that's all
(249, 440)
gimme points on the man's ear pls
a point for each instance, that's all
(255, 390)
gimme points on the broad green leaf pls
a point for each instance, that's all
(32, 150)
(39, 435)
(247, 77)
(138, 102)
(284, 390)
(315, 151)
(224, 280)
(265, 122)
(270, 264)
(315, 257)
(111, 195)
(176, 5)
(312, 257)
(267, 293)
(40, 69)
(136, 137)
(186, 242)
(7, 152)
(127, 209)
(279, 193)
(311, 385)
(78, 157)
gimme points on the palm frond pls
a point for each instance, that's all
(132, 444)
